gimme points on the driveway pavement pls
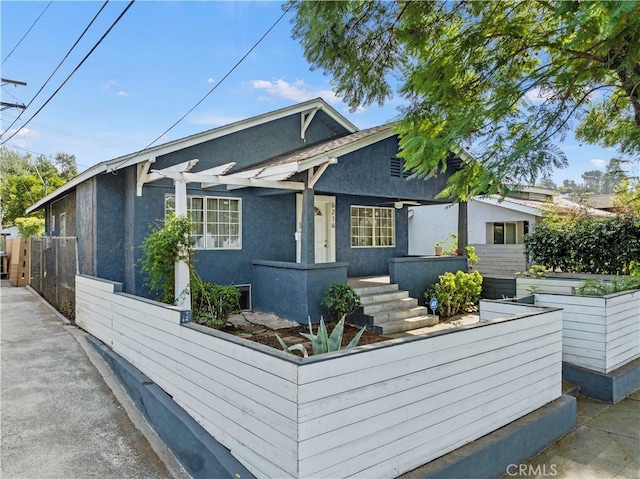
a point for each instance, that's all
(61, 416)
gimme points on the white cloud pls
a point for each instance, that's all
(210, 80)
(122, 93)
(296, 91)
(600, 164)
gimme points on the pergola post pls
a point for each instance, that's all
(181, 277)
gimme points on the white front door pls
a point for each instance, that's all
(322, 246)
(325, 228)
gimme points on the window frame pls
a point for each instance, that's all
(375, 229)
(504, 231)
(204, 222)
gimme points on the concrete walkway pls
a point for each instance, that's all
(605, 445)
(60, 418)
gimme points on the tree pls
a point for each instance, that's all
(500, 80)
(593, 181)
(24, 181)
(547, 182)
(627, 198)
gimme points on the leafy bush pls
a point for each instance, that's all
(30, 226)
(585, 244)
(451, 249)
(341, 300)
(322, 343)
(211, 303)
(456, 293)
(536, 271)
(164, 246)
(594, 287)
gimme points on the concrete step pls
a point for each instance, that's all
(382, 297)
(406, 324)
(397, 314)
(383, 288)
(396, 304)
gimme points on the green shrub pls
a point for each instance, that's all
(322, 342)
(341, 300)
(456, 293)
(595, 287)
(164, 246)
(451, 249)
(211, 303)
(586, 244)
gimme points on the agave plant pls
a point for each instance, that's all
(322, 342)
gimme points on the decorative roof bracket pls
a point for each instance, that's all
(305, 121)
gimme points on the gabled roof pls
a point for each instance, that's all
(153, 152)
(330, 148)
(538, 208)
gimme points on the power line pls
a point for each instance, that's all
(59, 65)
(74, 70)
(255, 45)
(27, 33)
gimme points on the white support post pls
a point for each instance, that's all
(182, 286)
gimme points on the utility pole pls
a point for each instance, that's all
(5, 105)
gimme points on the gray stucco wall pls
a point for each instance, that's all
(366, 261)
(416, 274)
(295, 291)
(268, 227)
(256, 144)
(367, 172)
(63, 206)
(109, 240)
(85, 226)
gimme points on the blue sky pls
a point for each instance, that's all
(157, 62)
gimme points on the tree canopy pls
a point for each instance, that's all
(504, 81)
(25, 180)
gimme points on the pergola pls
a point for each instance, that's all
(274, 176)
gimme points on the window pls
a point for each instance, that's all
(63, 224)
(372, 227)
(504, 233)
(217, 222)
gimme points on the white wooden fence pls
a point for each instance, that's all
(500, 259)
(375, 411)
(599, 333)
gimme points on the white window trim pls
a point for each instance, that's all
(204, 213)
(505, 223)
(373, 228)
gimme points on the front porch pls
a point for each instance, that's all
(294, 290)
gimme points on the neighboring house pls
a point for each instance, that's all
(599, 202)
(496, 227)
(283, 204)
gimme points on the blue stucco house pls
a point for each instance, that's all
(283, 204)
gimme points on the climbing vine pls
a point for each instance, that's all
(165, 245)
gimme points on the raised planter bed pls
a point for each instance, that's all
(374, 411)
(600, 335)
